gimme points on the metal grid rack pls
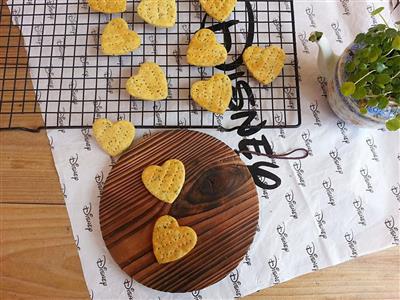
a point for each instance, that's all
(69, 82)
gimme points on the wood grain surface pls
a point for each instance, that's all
(38, 254)
(218, 200)
(16, 90)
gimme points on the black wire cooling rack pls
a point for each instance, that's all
(51, 66)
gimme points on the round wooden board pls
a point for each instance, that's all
(219, 201)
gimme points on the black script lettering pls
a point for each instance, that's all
(246, 129)
(261, 175)
(256, 144)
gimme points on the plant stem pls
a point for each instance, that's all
(384, 20)
(394, 56)
(391, 50)
(369, 73)
(376, 96)
(398, 73)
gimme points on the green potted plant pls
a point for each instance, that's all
(364, 82)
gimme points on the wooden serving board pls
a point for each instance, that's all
(219, 201)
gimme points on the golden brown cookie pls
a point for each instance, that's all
(113, 138)
(160, 13)
(218, 9)
(149, 83)
(108, 6)
(165, 182)
(213, 94)
(171, 241)
(118, 39)
(205, 51)
(265, 64)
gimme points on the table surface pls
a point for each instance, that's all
(38, 256)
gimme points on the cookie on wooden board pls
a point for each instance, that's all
(171, 241)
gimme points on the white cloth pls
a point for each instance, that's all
(340, 203)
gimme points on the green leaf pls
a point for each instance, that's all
(360, 38)
(350, 67)
(356, 61)
(363, 110)
(380, 67)
(359, 93)
(376, 90)
(382, 79)
(394, 62)
(393, 124)
(383, 102)
(362, 66)
(396, 85)
(369, 40)
(382, 60)
(374, 54)
(376, 28)
(315, 36)
(372, 102)
(364, 53)
(382, 86)
(396, 43)
(377, 11)
(391, 33)
(374, 39)
(348, 88)
(370, 78)
(389, 71)
(388, 88)
(358, 75)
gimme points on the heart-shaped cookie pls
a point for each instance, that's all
(265, 64)
(213, 94)
(149, 83)
(218, 9)
(204, 50)
(171, 241)
(160, 13)
(113, 138)
(165, 182)
(118, 39)
(108, 6)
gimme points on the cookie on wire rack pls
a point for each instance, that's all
(160, 13)
(150, 83)
(264, 64)
(118, 39)
(220, 10)
(205, 51)
(108, 6)
(213, 94)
